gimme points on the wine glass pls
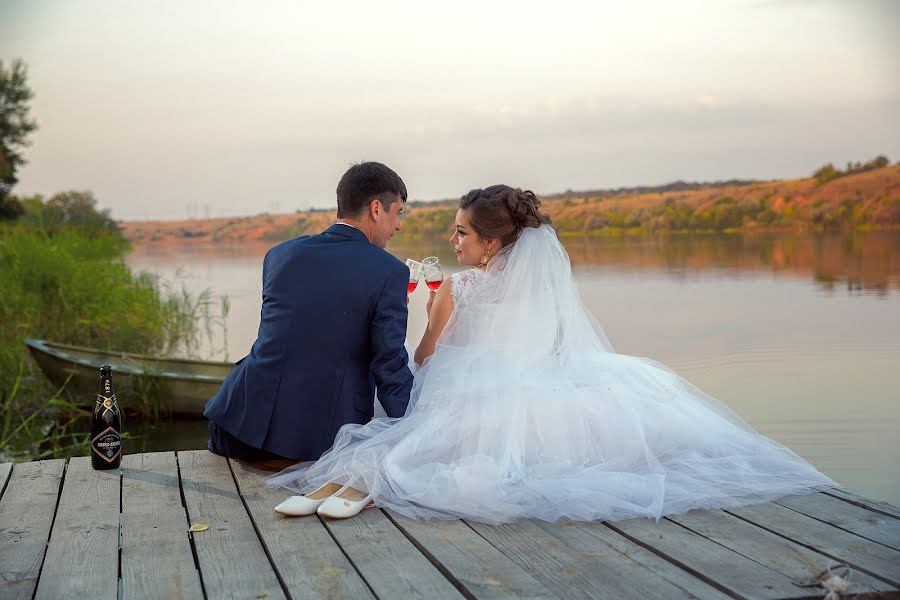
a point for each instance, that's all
(433, 274)
(415, 272)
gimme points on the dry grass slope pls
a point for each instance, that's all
(868, 200)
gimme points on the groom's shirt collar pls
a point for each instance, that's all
(347, 230)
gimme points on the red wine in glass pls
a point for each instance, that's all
(415, 271)
(433, 275)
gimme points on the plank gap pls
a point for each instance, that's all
(62, 479)
(7, 478)
(156, 552)
(262, 540)
(722, 588)
(718, 543)
(347, 556)
(433, 560)
(469, 525)
(836, 526)
(862, 504)
(187, 515)
(838, 560)
(121, 516)
(782, 556)
(82, 554)
(498, 549)
(26, 515)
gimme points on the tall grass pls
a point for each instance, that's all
(75, 288)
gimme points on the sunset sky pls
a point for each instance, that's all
(174, 109)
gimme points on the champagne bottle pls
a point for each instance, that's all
(106, 425)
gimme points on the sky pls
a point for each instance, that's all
(186, 109)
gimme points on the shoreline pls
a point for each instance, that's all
(866, 201)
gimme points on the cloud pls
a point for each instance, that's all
(558, 120)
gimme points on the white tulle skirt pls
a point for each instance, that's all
(604, 437)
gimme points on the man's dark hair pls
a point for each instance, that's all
(364, 183)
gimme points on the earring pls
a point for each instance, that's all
(484, 261)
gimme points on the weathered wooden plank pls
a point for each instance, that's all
(574, 564)
(390, 563)
(875, 505)
(784, 556)
(470, 560)
(5, 470)
(83, 554)
(232, 561)
(866, 523)
(853, 550)
(26, 513)
(711, 561)
(156, 560)
(575, 535)
(310, 562)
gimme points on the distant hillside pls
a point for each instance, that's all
(851, 200)
(675, 186)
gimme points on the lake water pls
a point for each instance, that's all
(797, 333)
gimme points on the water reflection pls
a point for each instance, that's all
(798, 333)
(853, 261)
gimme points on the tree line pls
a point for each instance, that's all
(829, 172)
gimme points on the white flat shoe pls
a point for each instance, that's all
(347, 503)
(300, 506)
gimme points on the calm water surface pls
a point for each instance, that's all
(797, 333)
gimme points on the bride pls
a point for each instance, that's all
(521, 408)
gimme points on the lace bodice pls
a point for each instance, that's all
(467, 286)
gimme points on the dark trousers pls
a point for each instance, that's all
(224, 444)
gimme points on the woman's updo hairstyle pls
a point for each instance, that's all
(501, 212)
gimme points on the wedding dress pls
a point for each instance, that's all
(525, 411)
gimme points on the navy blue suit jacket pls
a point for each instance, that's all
(331, 330)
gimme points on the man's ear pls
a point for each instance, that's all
(375, 209)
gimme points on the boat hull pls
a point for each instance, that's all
(176, 386)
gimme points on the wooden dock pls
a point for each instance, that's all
(67, 531)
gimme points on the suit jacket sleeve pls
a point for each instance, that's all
(390, 363)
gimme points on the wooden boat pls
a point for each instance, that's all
(177, 386)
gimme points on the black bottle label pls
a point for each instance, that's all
(107, 444)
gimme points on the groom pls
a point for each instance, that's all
(332, 328)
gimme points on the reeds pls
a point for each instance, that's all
(75, 288)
